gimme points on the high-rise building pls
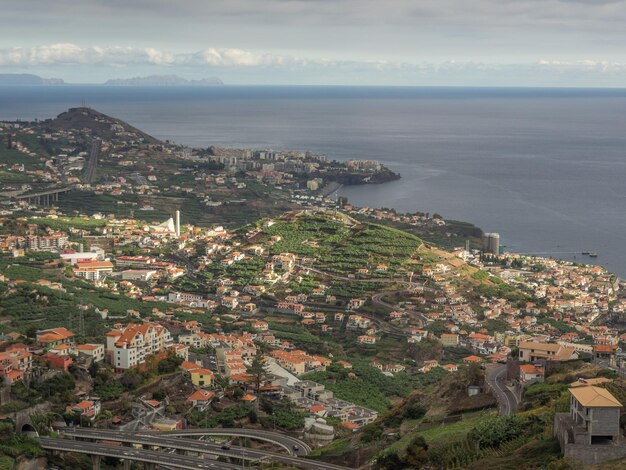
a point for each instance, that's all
(491, 243)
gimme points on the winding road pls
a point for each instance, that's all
(495, 375)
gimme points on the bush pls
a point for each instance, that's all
(414, 411)
(371, 432)
(495, 431)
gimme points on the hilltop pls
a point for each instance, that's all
(100, 125)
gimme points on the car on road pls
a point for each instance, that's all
(225, 446)
(296, 447)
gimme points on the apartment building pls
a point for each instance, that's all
(129, 346)
(93, 270)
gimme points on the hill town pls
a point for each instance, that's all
(150, 290)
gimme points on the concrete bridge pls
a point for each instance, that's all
(44, 198)
(165, 440)
(150, 458)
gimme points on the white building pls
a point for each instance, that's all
(128, 347)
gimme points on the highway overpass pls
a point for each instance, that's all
(150, 458)
(165, 440)
(282, 440)
(45, 197)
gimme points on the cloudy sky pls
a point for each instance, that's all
(364, 42)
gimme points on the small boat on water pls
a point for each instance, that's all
(593, 255)
(585, 252)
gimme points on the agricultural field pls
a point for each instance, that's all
(343, 249)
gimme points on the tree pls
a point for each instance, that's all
(258, 371)
(416, 453)
(131, 379)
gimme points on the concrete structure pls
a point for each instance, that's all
(491, 243)
(43, 197)
(449, 339)
(95, 254)
(590, 433)
(178, 223)
(46, 243)
(94, 351)
(93, 270)
(166, 440)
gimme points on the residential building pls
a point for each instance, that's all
(55, 337)
(201, 377)
(93, 270)
(201, 399)
(449, 339)
(94, 351)
(130, 345)
(531, 351)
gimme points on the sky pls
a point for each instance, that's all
(321, 42)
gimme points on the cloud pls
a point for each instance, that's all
(242, 66)
(584, 65)
(72, 54)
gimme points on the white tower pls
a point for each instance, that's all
(178, 223)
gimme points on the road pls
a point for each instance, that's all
(282, 440)
(166, 440)
(132, 454)
(495, 376)
(377, 300)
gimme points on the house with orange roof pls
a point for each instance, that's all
(350, 426)
(249, 398)
(86, 409)
(58, 362)
(318, 410)
(528, 372)
(15, 364)
(473, 360)
(54, 337)
(201, 399)
(366, 339)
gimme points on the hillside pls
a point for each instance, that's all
(441, 427)
(100, 125)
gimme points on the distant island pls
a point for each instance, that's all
(27, 79)
(163, 80)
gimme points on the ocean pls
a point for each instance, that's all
(546, 168)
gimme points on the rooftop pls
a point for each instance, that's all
(595, 397)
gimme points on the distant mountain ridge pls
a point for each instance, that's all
(163, 80)
(27, 79)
